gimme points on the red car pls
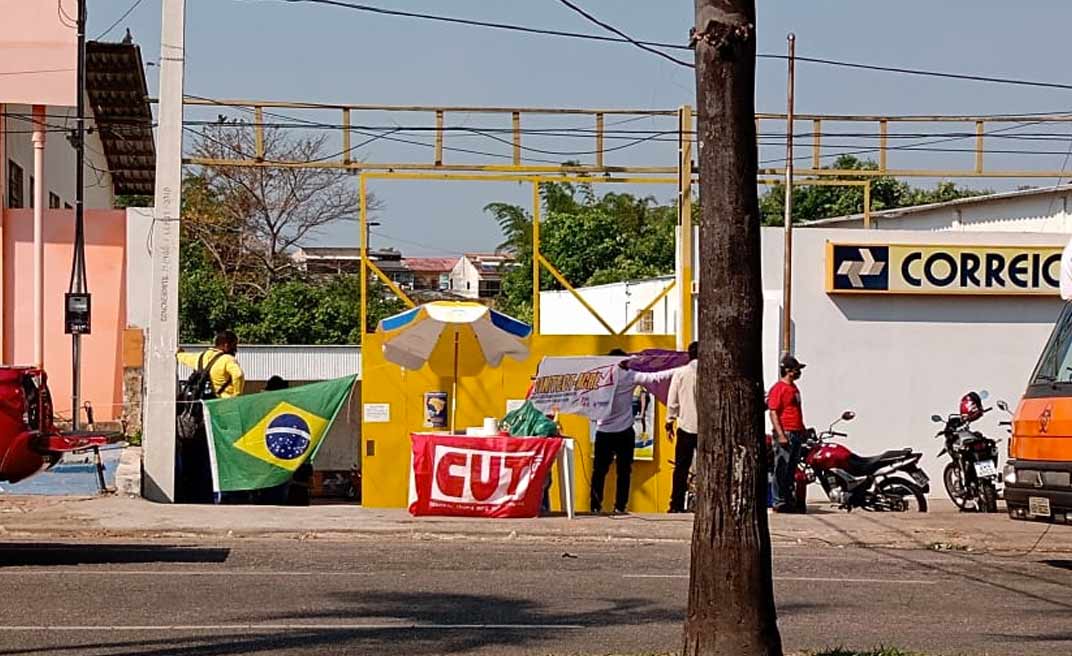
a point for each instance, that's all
(29, 440)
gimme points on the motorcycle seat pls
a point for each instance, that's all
(860, 466)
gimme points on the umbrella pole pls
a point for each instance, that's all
(454, 389)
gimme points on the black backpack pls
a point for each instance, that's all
(189, 413)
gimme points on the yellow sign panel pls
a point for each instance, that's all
(947, 269)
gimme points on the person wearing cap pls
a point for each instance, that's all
(783, 401)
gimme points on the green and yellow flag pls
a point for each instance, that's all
(257, 441)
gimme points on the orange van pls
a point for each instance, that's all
(1038, 474)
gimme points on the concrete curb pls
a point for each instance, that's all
(128, 473)
(126, 517)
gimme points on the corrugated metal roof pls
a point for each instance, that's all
(294, 363)
(899, 212)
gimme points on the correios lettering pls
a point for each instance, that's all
(947, 269)
(991, 270)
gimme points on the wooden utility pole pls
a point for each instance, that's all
(731, 594)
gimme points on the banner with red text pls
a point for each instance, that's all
(479, 476)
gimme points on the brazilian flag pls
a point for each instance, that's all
(257, 441)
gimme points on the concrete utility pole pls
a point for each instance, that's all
(78, 267)
(39, 235)
(162, 342)
(731, 593)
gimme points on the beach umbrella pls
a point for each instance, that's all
(462, 335)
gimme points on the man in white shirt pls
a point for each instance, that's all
(615, 438)
(681, 407)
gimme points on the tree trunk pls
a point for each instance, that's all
(731, 595)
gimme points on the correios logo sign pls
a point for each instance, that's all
(946, 269)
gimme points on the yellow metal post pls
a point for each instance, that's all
(439, 137)
(517, 138)
(883, 132)
(816, 143)
(346, 159)
(363, 214)
(536, 257)
(684, 222)
(258, 133)
(599, 140)
(978, 146)
(867, 204)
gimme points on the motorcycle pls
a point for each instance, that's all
(972, 479)
(889, 482)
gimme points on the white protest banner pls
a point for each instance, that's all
(576, 386)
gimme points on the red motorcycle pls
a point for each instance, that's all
(29, 440)
(889, 482)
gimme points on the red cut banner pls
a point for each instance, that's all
(479, 476)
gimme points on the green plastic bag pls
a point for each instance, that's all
(528, 421)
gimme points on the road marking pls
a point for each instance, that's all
(806, 579)
(292, 627)
(169, 572)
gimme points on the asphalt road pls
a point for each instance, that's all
(462, 597)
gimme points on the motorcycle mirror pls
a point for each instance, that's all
(984, 395)
(848, 415)
(1004, 407)
(936, 419)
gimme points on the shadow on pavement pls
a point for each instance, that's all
(27, 554)
(435, 612)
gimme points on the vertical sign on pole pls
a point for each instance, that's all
(162, 343)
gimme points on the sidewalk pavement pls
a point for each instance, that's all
(129, 517)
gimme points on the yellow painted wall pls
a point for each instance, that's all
(385, 447)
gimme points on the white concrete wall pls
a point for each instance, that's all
(562, 314)
(896, 360)
(139, 266)
(59, 157)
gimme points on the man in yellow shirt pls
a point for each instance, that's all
(194, 475)
(226, 375)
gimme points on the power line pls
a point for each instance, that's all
(675, 46)
(120, 19)
(40, 70)
(614, 30)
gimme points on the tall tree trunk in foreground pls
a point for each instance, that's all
(731, 597)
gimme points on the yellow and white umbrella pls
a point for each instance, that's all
(465, 335)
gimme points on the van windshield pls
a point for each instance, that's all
(1055, 365)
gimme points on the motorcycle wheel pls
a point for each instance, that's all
(989, 497)
(954, 486)
(907, 490)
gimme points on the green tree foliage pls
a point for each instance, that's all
(295, 310)
(811, 203)
(590, 239)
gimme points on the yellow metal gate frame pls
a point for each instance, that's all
(683, 280)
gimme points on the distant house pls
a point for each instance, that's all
(335, 260)
(479, 275)
(430, 273)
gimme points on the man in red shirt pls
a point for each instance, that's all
(783, 401)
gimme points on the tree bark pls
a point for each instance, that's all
(731, 608)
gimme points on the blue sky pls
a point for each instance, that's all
(295, 51)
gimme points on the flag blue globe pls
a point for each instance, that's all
(287, 436)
